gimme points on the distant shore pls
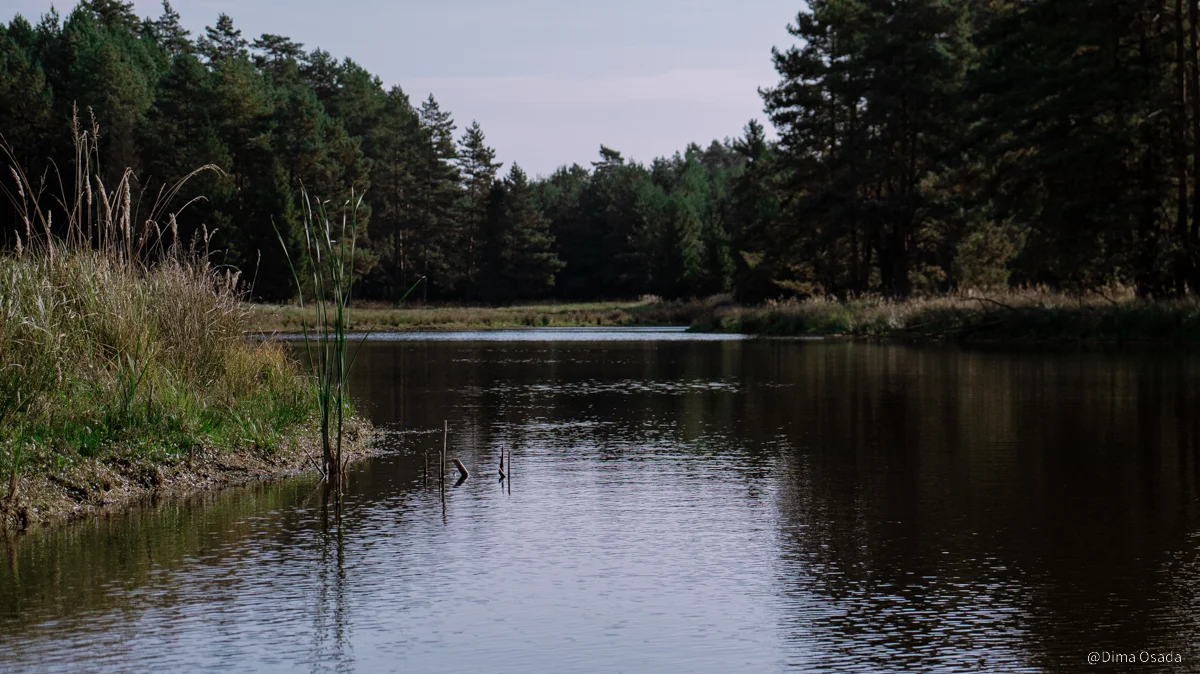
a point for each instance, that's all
(382, 317)
(1000, 318)
(1017, 317)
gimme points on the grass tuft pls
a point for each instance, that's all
(117, 343)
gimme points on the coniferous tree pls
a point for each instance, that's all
(866, 117)
(27, 114)
(560, 199)
(437, 195)
(477, 166)
(169, 33)
(756, 211)
(518, 258)
(923, 146)
(109, 72)
(320, 72)
(277, 56)
(222, 42)
(395, 147)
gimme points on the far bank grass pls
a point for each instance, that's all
(379, 317)
(1016, 317)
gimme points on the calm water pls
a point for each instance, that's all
(677, 504)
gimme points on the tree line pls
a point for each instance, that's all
(922, 146)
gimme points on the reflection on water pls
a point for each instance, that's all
(675, 505)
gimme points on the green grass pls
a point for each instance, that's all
(329, 256)
(119, 345)
(99, 360)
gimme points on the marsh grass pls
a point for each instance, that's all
(329, 260)
(119, 342)
(1012, 316)
(387, 317)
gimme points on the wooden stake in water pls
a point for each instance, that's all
(463, 473)
(442, 472)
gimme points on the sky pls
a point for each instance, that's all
(548, 80)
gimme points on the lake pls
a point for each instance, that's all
(677, 502)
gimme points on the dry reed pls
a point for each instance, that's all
(117, 338)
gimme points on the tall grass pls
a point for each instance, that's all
(118, 341)
(1016, 315)
(329, 261)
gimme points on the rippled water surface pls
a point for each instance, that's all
(676, 504)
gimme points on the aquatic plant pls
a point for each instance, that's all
(329, 259)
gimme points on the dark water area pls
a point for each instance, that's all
(677, 503)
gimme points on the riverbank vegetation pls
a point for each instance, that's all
(920, 148)
(1012, 317)
(1016, 316)
(123, 355)
(383, 316)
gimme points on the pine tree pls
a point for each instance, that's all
(169, 32)
(26, 116)
(519, 260)
(277, 56)
(867, 112)
(108, 71)
(320, 72)
(359, 101)
(1073, 126)
(755, 213)
(222, 42)
(560, 198)
(181, 134)
(478, 168)
(114, 15)
(436, 201)
(394, 147)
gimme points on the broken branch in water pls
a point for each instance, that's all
(462, 470)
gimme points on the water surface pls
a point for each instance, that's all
(676, 504)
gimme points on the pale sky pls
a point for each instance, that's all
(548, 80)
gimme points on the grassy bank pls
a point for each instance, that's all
(269, 318)
(124, 365)
(1017, 316)
(117, 378)
(1004, 317)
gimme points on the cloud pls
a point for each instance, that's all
(686, 86)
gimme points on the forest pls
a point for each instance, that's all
(921, 147)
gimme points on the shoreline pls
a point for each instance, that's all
(1015, 319)
(92, 488)
(1018, 318)
(381, 317)
(88, 487)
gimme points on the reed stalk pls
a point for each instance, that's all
(329, 259)
(329, 250)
